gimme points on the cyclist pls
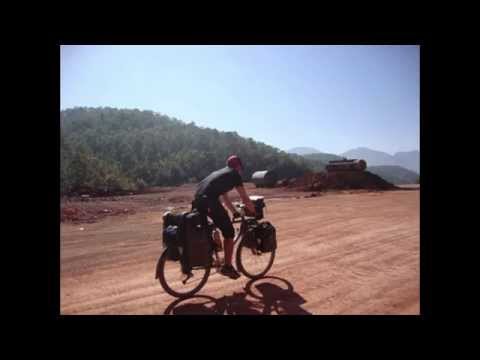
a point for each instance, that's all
(207, 200)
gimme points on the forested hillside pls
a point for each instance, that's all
(106, 150)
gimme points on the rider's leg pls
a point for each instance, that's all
(228, 269)
(228, 246)
(220, 218)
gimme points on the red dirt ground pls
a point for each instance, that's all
(344, 252)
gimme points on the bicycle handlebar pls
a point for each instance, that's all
(242, 213)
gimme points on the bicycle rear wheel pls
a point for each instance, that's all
(170, 276)
(253, 263)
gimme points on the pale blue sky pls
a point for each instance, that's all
(332, 98)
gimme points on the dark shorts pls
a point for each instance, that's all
(215, 211)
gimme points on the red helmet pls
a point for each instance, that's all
(234, 162)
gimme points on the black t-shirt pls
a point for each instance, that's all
(219, 182)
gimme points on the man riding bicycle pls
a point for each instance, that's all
(207, 196)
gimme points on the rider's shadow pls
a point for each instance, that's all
(261, 297)
(235, 304)
(282, 301)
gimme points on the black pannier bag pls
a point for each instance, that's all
(197, 244)
(259, 204)
(268, 237)
(174, 234)
(170, 218)
(172, 242)
(251, 239)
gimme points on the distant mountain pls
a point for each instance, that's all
(372, 157)
(396, 175)
(409, 160)
(314, 154)
(323, 157)
(303, 151)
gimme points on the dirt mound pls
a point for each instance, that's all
(340, 180)
(357, 180)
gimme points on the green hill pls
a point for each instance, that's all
(323, 157)
(303, 150)
(105, 150)
(396, 175)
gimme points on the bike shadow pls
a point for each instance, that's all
(265, 296)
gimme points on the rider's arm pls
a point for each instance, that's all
(228, 203)
(245, 199)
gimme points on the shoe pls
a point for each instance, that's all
(229, 270)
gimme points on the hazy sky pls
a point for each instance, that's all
(332, 98)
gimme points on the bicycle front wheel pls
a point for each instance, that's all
(251, 262)
(177, 284)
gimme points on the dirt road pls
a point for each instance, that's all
(340, 253)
